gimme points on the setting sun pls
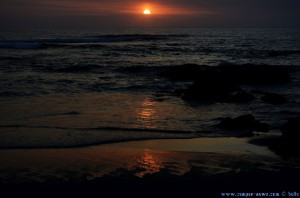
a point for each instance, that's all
(147, 12)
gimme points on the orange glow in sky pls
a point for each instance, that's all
(164, 13)
(160, 9)
(110, 8)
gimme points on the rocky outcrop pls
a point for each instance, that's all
(244, 122)
(288, 144)
(256, 74)
(210, 87)
(222, 83)
(291, 129)
(273, 98)
(238, 74)
(239, 97)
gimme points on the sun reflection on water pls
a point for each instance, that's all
(146, 113)
(147, 163)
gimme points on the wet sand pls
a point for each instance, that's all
(212, 164)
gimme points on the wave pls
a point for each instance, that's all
(77, 69)
(70, 113)
(83, 42)
(102, 128)
(60, 137)
(14, 94)
(19, 45)
(276, 53)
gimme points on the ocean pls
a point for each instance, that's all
(69, 88)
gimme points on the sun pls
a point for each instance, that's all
(147, 11)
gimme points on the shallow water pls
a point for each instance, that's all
(142, 157)
(68, 88)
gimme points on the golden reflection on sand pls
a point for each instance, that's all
(146, 113)
(147, 163)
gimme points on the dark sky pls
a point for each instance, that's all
(165, 13)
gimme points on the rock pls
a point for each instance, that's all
(239, 74)
(291, 129)
(221, 83)
(210, 87)
(244, 122)
(239, 123)
(273, 98)
(239, 97)
(288, 145)
(256, 74)
(261, 127)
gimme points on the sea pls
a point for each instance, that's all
(69, 87)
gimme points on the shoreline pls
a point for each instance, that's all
(72, 140)
(173, 167)
(129, 154)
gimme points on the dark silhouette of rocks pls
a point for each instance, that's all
(291, 129)
(239, 123)
(273, 98)
(165, 184)
(210, 86)
(221, 83)
(239, 74)
(288, 144)
(262, 127)
(239, 97)
(256, 74)
(210, 89)
(244, 122)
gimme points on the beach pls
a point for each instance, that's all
(175, 167)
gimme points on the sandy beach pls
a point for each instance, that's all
(202, 165)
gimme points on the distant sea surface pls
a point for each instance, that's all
(65, 88)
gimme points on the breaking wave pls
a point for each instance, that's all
(82, 42)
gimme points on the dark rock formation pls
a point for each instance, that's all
(291, 129)
(221, 83)
(239, 97)
(210, 87)
(242, 176)
(288, 144)
(256, 74)
(244, 122)
(273, 98)
(239, 123)
(261, 127)
(239, 74)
